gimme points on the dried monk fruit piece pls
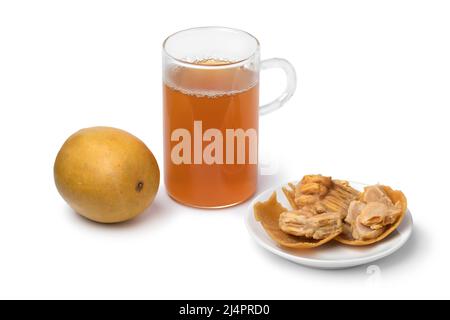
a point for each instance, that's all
(375, 215)
(269, 212)
(306, 224)
(320, 194)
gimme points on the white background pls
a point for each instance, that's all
(372, 106)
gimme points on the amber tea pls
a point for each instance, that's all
(210, 134)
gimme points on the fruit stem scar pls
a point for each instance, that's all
(139, 186)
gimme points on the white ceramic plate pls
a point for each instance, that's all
(332, 255)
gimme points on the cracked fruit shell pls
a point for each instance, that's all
(395, 196)
(268, 214)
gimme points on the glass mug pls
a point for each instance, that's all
(211, 110)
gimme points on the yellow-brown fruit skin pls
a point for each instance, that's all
(106, 175)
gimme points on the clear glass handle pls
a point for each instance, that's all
(291, 83)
